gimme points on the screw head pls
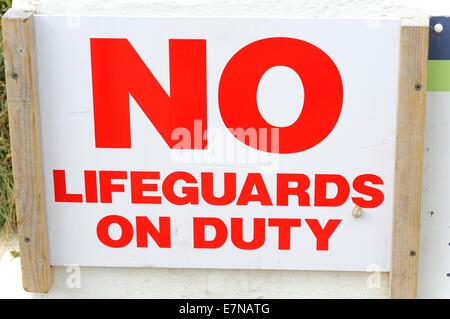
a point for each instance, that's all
(438, 28)
(412, 253)
(27, 240)
(14, 76)
(418, 87)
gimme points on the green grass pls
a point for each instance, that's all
(7, 211)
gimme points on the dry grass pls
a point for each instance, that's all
(7, 211)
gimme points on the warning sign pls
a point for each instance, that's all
(218, 143)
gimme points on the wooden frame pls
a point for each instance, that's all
(23, 102)
(409, 160)
(25, 132)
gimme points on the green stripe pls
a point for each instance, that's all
(438, 75)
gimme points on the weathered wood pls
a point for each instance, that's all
(24, 122)
(409, 158)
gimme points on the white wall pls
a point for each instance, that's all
(268, 8)
(165, 283)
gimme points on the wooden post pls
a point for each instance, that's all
(24, 122)
(408, 162)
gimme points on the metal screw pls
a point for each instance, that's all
(412, 253)
(418, 87)
(438, 28)
(14, 76)
(27, 240)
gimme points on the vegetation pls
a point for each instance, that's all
(7, 211)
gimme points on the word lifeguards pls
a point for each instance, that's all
(150, 187)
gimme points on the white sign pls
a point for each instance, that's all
(218, 143)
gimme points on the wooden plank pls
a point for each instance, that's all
(24, 122)
(408, 163)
